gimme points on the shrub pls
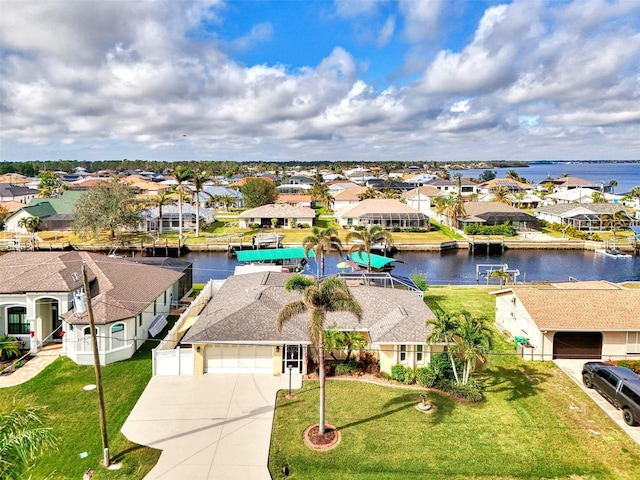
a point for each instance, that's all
(470, 391)
(420, 280)
(397, 372)
(395, 229)
(630, 364)
(409, 376)
(369, 363)
(425, 377)
(505, 229)
(346, 368)
(441, 366)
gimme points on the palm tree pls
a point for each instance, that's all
(367, 238)
(198, 178)
(9, 347)
(30, 224)
(474, 340)
(182, 175)
(321, 241)
(320, 193)
(370, 192)
(613, 184)
(22, 438)
(351, 341)
(501, 194)
(443, 328)
(502, 275)
(160, 200)
(615, 220)
(318, 298)
(391, 193)
(454, 209)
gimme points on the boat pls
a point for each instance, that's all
(267, 239)
(613, 253)
(272, 259)
(378, 262)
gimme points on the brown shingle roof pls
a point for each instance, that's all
(577, 308)
(246, 306)
(119, 288)
(349, 194)
(426, 190)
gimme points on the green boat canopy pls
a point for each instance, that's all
(377, 261)
(271, 254)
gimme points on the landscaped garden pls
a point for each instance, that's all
(533, 423)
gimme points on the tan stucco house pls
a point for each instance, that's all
(236, 331)
(287, 216)
(388, 213)
(581, 320)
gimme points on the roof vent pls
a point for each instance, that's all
(75, 277)
(403, 311)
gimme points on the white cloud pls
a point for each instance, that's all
(386, 32)
(420, 18)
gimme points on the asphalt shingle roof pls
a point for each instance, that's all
(278, 211)
(246, 307)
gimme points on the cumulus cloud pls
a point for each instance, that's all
(130, 79)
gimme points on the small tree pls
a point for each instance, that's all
(258, 192)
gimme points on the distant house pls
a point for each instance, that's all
(295, 200)
(387, 213)
(496, 213)
(286, 216)
(171, 217)
(449, 186)
(583, 216)
(40, 294)
(347, 196)
(18, 179)
(419, 178)
(420, 198)
(146, 186)
(382, 185)
(579, 195)
(568, 183)
(17, 193)
(55, 213)
(513, 186)
(222, 197)
(236, 331)
(578, 320)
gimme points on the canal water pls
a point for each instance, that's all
(461, 268)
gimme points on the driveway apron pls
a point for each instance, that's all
(573, 368)
(214, 426)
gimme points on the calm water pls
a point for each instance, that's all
(626, 174)
(459, 267)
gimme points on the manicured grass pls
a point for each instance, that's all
(534, 423)
(73, 415)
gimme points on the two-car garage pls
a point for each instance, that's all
(579, 345)
(233, 358)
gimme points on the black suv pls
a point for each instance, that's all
(619, 385)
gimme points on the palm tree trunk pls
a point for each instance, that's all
(160, 215)
(453, 363)
(180, 215)
(322, 265)
(321, 375)
(197, 214)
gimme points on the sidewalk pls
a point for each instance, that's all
(33, 367)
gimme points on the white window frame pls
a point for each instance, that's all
(402, 354)
(420, 354)
(633, 342)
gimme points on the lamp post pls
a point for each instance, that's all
(96, 364)
(289, 394)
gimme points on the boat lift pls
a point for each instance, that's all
(485, 270)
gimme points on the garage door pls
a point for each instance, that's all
(580, 345)
(238, 359)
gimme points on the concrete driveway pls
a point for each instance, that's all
(573, 368)
(208, 426)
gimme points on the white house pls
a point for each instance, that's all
(40, 291)
(287, 216)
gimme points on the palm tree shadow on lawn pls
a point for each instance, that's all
(522, 382)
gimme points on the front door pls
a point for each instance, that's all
(56, 322)
(292, 357)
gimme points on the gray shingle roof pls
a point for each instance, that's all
(278, 211)
(246, 306)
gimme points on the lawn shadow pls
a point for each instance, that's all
(119, 457)
(395, 405)
(521, 382)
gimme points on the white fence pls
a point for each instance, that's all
(167, 357)
(178, 361)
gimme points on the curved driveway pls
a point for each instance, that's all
(214, 426)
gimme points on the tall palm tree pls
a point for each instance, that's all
(321, 242)
(370, 192)
(160, 200)
(454, 209)
(473, 340)
(182, 175)
(22, 438)
(501, 194)
(443, 329)
(366, 239)
(318, 298)
(613, 184)
(616, 220)
(198, 178)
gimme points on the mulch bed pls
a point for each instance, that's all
(325, 441)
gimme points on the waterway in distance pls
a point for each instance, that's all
(459, 267)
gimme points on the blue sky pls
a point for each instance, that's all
(319, 80)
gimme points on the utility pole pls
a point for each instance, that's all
(96, 364)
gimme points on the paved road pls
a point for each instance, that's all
(208, 426)
(573, 368)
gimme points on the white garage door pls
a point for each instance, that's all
(238, 359)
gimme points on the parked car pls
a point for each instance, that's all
(619, 385)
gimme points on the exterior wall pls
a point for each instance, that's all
(277, 361)
(386, 354)
(245, 222)
(198, 359)
(423, 206)
(11, 223)
(614, 345)
(38, 308)
(512, 317)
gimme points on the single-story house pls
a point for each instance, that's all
(55, 213)
(420, 198)
(236, 331)
(286, 215)
(388, 213)
(295, 200)
(449, 186)
(222, 197)
(580, 195)
(497, 213)
(41, 294)
(171, 217)
(19, 179)
(513, 186)
(17, 193)
(581, 320)
(348, 196)
(583, 216)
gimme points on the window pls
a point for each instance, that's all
(633, 342)
(140, 320)
(608, 377)
(117, 335)
(17, 321)
(631, 394)
(403, 354)
(165, 297)
(419, 353)
(154, 308)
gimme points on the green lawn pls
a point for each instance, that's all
(73, 415)
(534, 424)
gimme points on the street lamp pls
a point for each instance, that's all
(289, 394)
